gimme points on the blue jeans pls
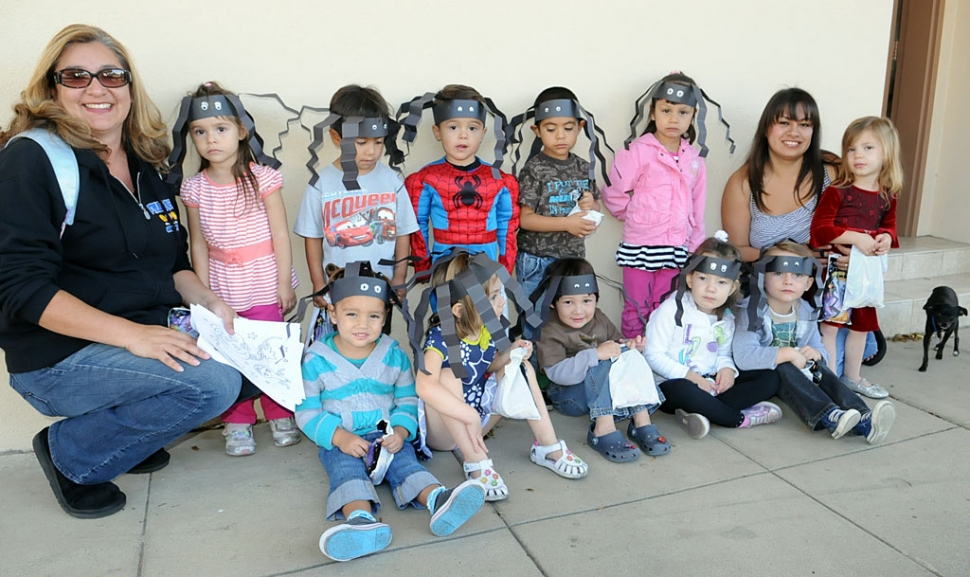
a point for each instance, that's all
(349, 480)
(529, 270)
(811, 402)
(592, 396)
(121, 408)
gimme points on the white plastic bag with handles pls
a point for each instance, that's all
(513, 395)
(631, 381)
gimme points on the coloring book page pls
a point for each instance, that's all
(267, 352)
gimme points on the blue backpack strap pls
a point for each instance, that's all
(64, 162)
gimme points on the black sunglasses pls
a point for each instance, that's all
(81, 78)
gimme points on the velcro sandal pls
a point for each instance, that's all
(492, 482)
(567, 465)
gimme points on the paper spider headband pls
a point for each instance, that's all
(690, 95)
(445, 110)
(779, 263)
(467, 283)
(561, 107)
(560, 286)
(355, 284)
(352, 128)
(705, 264)
(207, 107)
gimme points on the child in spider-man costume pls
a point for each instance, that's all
(460, 200)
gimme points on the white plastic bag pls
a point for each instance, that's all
(864, 281)
(593, 215)
(631, 381)
(513, 395)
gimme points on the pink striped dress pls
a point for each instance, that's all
(242, 265)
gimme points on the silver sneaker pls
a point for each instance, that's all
(864, 387)
(239, 439)
(285, 432)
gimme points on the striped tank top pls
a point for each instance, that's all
(767, 229)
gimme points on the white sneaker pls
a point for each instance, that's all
(239, 439)
(285, 432)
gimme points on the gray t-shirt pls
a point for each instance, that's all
(551, 187)
(357, 224)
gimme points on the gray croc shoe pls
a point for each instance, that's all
(613, 446)
(649, 439)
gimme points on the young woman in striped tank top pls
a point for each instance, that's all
(239, 240)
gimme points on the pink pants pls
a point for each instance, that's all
(244, 412)
(646, 288)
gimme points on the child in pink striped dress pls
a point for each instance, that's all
(240, 241)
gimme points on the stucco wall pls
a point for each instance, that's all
(945, 210)
(608, 53)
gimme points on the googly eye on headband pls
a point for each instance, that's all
(443, 110)
(560, 107)
(467, 283)
(676, 92)
(196, 108)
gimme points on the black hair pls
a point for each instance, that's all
(356, 100)
(786, 102)
(553, 93)
(567, 266)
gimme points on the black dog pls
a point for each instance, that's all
(943, 312)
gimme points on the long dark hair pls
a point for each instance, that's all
(787, 102)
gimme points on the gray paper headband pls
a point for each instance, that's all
(721, 267)
(559, 108)
(786, 263)
(211, 106)
(365, 286)
(578, 285)
(351, 128)
(458, 109)
(676, 93)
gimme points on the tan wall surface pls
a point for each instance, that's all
(945, 209)
(740, 53)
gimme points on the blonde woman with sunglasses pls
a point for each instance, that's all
(87, 293)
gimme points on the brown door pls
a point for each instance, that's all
(910, 87)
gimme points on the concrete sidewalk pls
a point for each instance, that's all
(770, 501)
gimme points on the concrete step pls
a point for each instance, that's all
(904, 299)
(927, 256)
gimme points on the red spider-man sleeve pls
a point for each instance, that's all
(511, 247)
(418, 194)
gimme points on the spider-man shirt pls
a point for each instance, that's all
(468, 209)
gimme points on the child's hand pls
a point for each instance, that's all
(350, 444)
(286, 297)
(706, 384)
(810, 353)
(865, 243)
(523, 344)
(884, 242)
(638, 343)
(587, 202)
(608, 350)
(393, 443)
(319, 302)
(473, 425)
(724, 380)
(791, 355)
(578, 226)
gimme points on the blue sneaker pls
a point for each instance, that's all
(840, 422)
(360, 535)
(875, 424)
(451, 508)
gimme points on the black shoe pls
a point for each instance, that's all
(81, 501)
(155, 462)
